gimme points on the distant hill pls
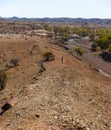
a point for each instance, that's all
(63, 20)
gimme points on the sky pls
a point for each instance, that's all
(56, 8)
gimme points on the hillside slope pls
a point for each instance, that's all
(68, 96)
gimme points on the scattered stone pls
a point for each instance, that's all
(36, 115)
(87, 128)
(20, 129)
(39, 74)
(8, 124)
(63, 124)
(6, 106)
(35, 78)
(42, 104)
(80, 128)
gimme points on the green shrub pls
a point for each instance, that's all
(79, 51)
(109, 48)
(48, 56)
(3, 79)
(94, 47)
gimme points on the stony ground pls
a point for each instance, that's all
(68, 96)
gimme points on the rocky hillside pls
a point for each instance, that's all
(66, 96)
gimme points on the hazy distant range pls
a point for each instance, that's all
(62, 20)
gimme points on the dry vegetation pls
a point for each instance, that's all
(68, 96)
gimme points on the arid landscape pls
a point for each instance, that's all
(48, 85)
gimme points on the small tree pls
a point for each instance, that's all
(79, 51)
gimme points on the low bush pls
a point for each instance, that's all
(48, 56)
(15, 62)
(94, 47)
(79, 51)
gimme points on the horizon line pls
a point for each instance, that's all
(52, 17)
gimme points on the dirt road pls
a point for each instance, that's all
(90, 57)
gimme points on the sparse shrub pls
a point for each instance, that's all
(8, 66)
(15, 62)
(90, 64)
(50, 35)
(94, 47)
(48, 56)
(3, 79)
(109, 48)
(79, 51)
